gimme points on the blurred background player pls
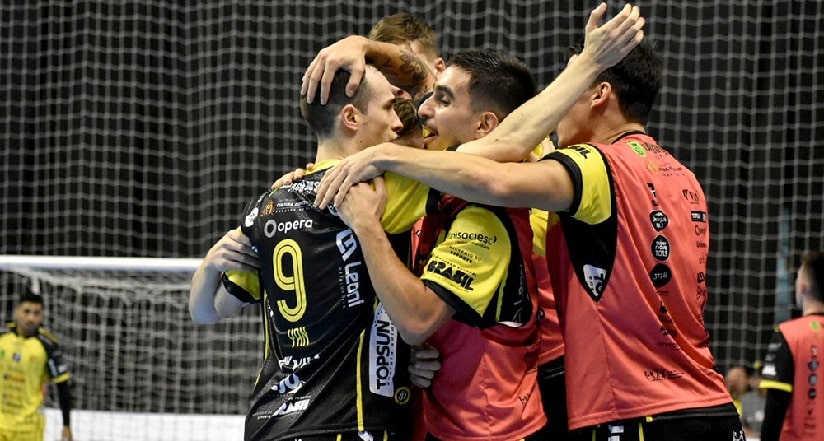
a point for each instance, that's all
(29, 358)
(794, 410)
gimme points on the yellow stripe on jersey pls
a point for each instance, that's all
(358, 382)
(405, 203)
(538, 220)
(771, 384)
(596, 195)
(472, 260)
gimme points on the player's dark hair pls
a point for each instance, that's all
(813, 263)
(636, 80)
(498, 82)
(322, 118)
(404, 27)
(29, 297)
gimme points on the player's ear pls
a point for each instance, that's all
(601, 93)
(349, 118)
(440, 65)
(487, 123)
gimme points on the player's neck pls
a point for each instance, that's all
(813, 307)
(330, 150)
(612, 134)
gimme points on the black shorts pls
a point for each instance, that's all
(715, 428)
(346, 436)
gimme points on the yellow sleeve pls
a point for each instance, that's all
(472, 261)
(538, 220)
(587, 168)
(405, 204)
(244, 285)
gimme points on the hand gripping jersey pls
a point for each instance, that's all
(332, 362)
(629, 280)
(794, 365)
(26, 365)
(478, 260)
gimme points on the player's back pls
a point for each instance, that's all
(330, 357)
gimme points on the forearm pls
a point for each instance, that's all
(415, 310)
(204, 287)
(775, 409)
(466, 176)
(529, 124)
(402, 68)
(64, 398)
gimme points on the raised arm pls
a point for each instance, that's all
(209, 302)
(480, 180)
(401, 68)
(526, 126)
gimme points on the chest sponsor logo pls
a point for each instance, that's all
(291, 384)
(660, 275)
(691, 196)
(699, 216)
(292, 407)
(303, 186)
(452, 273)
(661, 248)
(250, 218)
(350, 273)
(595, 279)
(659, 220)
(474, 237)
(382, 354)
(271, 226)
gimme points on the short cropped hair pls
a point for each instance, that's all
(813, 263)
(497, 82)
(636, 80)
(30, 297)
(322, 118)
(404, 27)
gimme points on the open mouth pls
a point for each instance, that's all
(428, 135)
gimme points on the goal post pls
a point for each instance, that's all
(131, 347)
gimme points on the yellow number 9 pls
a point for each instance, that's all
(289, 247)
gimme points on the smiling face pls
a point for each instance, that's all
(448, 115)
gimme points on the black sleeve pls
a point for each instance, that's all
(775, 408)
(65, 399)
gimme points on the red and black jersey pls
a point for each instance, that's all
(793, 365)
(629, 279)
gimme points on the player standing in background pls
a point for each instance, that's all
(793, 410)
(29, 358)
(331, 354)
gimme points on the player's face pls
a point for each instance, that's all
(447, 114)
(380, 123)
(29, 317)
(574, 128)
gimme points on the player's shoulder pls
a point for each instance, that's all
(47, 338)
(7, 328)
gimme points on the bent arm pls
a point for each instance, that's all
(527, 125)
(544, 184)
(414, 308)
(209, 302)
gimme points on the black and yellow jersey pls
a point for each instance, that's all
(332, 360)
(27, 364)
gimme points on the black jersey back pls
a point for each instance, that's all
(331, 351)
